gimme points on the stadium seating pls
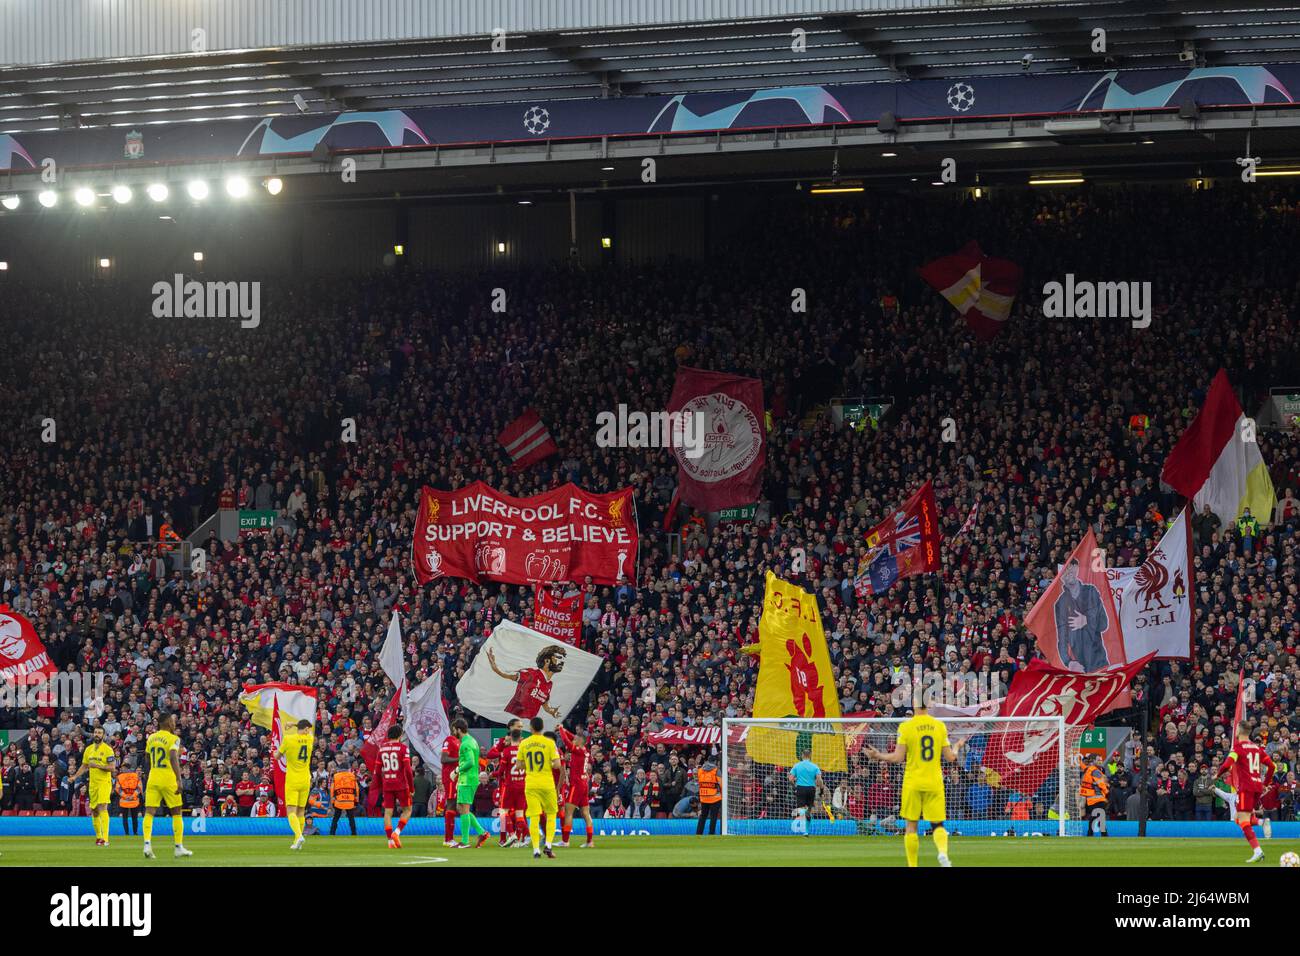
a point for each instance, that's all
(155, 420)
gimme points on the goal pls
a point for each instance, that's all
(1013, 776)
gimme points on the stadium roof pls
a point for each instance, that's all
(954, 39)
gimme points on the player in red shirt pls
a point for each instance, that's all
(577, 796)
(1252, 771)
(450, 759)
(510, 785)
(397, 780)
(532, 684)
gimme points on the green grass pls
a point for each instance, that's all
(639, 851)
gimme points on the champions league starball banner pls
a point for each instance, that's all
(567, 534)
(786, 107)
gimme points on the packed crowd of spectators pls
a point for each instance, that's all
(160, 423)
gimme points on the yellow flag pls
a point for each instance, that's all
(795, 679)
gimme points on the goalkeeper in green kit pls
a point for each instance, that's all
(467, 785)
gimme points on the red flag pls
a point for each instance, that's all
(728, 471)
(1239, 711)
(277, 759)
(1022, 758)
(1074, 619)
(904, 544)
(670, 516)
(558, 615)
(527, 441)
(370, 749)
(1238, 715)
(22, 655)
(980, 287)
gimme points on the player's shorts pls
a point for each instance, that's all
(514, 800)
(1247, 802)
(918, 804)
(578, 795)
(162, 795)
(100, 793)
(805, 797)
(540, 800)
(297, 793)
(400, 798)
(465, 793)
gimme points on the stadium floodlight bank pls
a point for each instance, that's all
(860, 796)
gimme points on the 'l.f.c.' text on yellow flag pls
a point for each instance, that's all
(795, 679)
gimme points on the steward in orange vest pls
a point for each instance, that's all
(1094, 788)
(343, 798)
(128, 800)
(710, 797)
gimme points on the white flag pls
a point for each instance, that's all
(519, 672)
(392, 657)
(1154, 601)
(426, 720)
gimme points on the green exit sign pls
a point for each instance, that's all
(743, 513)
(256, 520)
(1094, 739)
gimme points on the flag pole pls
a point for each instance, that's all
(1142, 759)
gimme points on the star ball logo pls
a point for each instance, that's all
(961, 97)
(537, 120)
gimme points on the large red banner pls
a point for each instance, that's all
(22, 655)
(567, 534)
(558, 615)
(1021, 758)
(728, 472)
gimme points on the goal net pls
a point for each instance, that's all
(1013, 775)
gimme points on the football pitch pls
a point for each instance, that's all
(791, 851)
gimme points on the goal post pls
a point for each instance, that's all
(1013, 776)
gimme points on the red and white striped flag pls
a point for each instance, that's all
(527, 441)
(970, 519)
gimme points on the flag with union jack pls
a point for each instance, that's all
(904, 544)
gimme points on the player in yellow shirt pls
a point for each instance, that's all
(922, 746)
(296, 748)
(162, 752)
(539, 758)
(100, 762)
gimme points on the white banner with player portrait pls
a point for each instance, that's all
(519, 672)
(1154, 601)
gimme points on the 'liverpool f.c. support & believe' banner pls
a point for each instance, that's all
(567, 534)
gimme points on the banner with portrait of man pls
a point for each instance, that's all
(1074, 619)
(519, 672)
